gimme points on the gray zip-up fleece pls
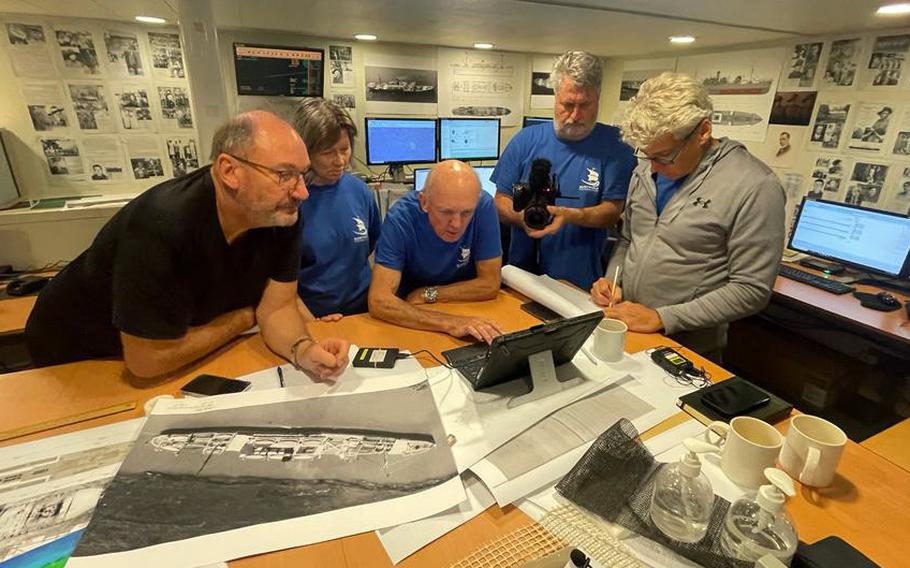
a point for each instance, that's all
(712, 256)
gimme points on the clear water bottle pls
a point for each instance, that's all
(756, 527)
(683, 497)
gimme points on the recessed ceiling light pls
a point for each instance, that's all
(150, 20)
(483, 46)
(365, 37)
(682, 39)
(893, 9)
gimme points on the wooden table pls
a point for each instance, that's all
(14, 313)
(866, 506)
(893, 444)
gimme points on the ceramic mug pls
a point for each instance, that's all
(812, 450)
(610, 340)
(747, 446)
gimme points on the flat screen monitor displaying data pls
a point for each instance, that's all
(276, 71)
(532, 120)
(400, 140)
(468, 138)
(483, 172)
(869, 239)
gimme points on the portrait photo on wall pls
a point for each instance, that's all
(793, 107)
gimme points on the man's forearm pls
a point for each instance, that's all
(507, 215)
(395, 310)
(599, 216)
(474, 290)
(281, 328)
(154, 357)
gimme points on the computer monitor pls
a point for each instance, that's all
(532, 120)
(9, 189)
(868, 239)
(468, 138)
(515, 355)
(275, 71)
(483, 172)
(396, 141)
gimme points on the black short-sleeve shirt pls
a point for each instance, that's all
(158, 267)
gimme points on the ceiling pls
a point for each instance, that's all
(605, 27)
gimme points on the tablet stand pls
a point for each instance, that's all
(543, 380)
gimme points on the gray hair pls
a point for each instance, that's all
(233, 137)
(582, 68)
(321, 123)
(669, 103)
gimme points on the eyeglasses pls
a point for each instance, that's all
(670, 160)
(290, 179)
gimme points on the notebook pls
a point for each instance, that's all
(775, 410)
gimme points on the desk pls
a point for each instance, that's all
(893, 444)
(14, 313)
(867, 505)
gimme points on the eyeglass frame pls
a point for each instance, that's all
(282, 175)
(639, 153)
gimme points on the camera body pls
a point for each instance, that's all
(533, 197)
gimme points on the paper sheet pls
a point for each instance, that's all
(262, 471)
(562, 299)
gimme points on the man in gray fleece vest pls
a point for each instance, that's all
(703, 227)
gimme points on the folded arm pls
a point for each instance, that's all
(484, 287)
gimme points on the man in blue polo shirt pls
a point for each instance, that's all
(439, 245)
(592, 166)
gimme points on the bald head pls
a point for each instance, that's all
(250, 132)
(450, 198)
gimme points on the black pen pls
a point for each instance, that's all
(280, 376)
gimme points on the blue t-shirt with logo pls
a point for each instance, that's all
(592, 170)
(341, 227)
(666, 187)
(409, 245)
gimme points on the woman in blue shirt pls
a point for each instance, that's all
(340, 219)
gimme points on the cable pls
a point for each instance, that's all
(415, 353)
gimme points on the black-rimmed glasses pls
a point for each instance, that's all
(286, 178)
(670, 160)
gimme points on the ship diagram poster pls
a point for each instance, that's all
(399, 83)
(225, 477)
(741, 85)
(476, 84)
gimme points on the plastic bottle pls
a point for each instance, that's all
(760, 526)
(683, 497)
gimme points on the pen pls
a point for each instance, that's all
(280, 376)
(615, 278)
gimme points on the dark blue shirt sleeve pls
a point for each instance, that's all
(487, 243)
(391, 249)
(622, 168)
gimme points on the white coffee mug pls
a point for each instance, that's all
(747, 445)
(610, 340)
(812, 450)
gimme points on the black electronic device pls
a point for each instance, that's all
(26, 285)
(814, 280)
(735, 398)
(532, 198)
(395, 142)
(276, 71)
(887, 299)
(672, 361)
(868, 239)
(211, 385)
(506, 358)
(540, 311)
(831, 268)
(882, 302)
(830, 552)
(375, 357)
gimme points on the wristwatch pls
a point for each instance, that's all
(430, 293)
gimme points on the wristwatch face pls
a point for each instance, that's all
(430, 293)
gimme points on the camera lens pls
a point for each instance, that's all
(537, 217)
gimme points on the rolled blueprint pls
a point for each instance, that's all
(563, 299)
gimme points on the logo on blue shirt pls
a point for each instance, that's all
(592, 182)
(464, 258)
(361, 233)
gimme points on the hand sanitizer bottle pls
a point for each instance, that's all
(760, 526)
(683, 497)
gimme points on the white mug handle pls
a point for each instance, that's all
(808, 473)
(721, 429)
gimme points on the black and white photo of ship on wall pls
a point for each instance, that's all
(211, 471)
(400, 85)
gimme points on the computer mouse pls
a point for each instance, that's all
(26, 285)
(887, 299)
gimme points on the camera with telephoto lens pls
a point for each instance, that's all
(534, 197)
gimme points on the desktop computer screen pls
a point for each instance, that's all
(483, 172)
(532, 120)
(869, 239)
(400, 140)
(468, 138)
(275, 71)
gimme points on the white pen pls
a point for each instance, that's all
(615, 279)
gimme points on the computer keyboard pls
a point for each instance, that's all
(814, 280)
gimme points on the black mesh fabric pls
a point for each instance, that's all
(615, 480)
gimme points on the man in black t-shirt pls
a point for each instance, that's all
(192, 263)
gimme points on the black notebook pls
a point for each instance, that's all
(734, 397)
